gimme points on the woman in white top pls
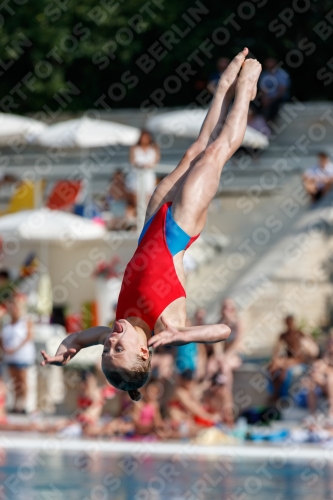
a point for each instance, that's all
(144, 156)
(18, 349)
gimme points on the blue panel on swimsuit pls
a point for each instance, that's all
(176, 238)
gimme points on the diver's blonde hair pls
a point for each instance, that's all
(130, 380)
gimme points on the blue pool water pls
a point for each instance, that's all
(95, 476)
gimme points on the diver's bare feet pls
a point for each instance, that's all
(249, 76)
(227, 82)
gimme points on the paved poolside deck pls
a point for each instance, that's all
(282, 452)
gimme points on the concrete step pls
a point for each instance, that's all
(314, 120)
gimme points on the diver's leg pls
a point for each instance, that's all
(191, 203)
(211, 127)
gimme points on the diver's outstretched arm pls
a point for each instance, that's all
(72, 344)
(206, 334)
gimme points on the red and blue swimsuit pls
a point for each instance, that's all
(150, 280)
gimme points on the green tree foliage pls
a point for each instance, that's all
(108, 50)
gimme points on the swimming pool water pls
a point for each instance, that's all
(95, 476)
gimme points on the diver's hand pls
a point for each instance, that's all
(60, 359)
(171, 335)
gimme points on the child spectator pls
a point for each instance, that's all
(90, 401)
(185, 409)
(146, 414)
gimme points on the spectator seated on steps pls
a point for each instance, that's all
(318, 180)
(292, 354)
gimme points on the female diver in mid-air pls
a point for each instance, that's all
(151, 308)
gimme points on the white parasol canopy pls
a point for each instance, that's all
(87, 133)
(50, 226)
(18, 127)
(187, 123)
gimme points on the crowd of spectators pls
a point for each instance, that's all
(191, 388)
(123, 205)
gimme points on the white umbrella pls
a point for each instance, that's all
(87, 133)
(187, 123)
(18, 127)
(56, 237)
(183, 123)
(50, 226)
